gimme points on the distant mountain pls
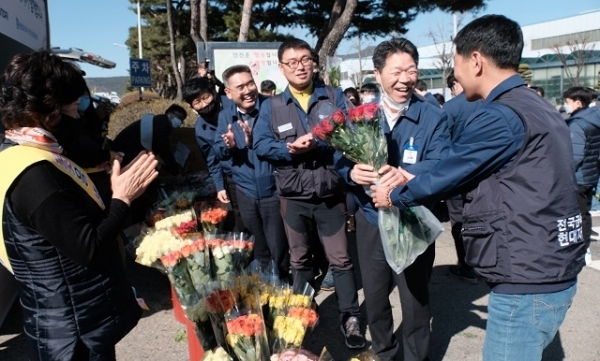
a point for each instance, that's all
(113, 84)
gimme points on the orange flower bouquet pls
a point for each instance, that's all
(177, 272)
(243, 246)
(219, 302)
(246, 333)
(212, 216)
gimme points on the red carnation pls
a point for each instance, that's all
(318, 132)
(369, 110)
(356, 114)
(338, 117)
(326, 126)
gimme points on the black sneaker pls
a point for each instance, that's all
(351, 331)
(464, 273)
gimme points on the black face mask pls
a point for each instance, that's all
(207, 109)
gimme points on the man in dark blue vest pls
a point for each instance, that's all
(458, 110)
(256, 193)
(417, 138)
(309, 187)
(584, 125)
(521, 220)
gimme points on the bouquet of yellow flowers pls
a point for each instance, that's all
(218, 354)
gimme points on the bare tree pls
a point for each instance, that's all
(579, 50)
(332, 33)
(174, 62)
(198, 21)
(245, 23)
(359, 73)
(442, 40)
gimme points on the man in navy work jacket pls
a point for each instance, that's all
(256, 192)
(458, 110)
(309, 187)
(584, 125)
(521, 221)
(201, 95)
(417, 138)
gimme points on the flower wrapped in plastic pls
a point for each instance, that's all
(404, 234)
(222, 257)
(246, 332)
(177, 272)
(219, 301)
(198, 263)
(295, 354)
(155, 243)
(212, 216)
(290, 328)
(218, 354)
(243, 246)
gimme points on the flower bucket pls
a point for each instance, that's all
(194, 348)
(177, 309)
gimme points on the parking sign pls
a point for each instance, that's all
(139, 72)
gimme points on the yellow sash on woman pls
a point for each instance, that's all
(16, 159)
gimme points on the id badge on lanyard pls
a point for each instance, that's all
(411, 152)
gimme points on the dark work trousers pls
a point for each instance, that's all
(263, 217)
(233, 222)
(83, 353)
(455, 208)
(378, 282)
(584, 199)
(328, 214)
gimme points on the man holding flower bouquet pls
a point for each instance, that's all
(417, 138)
(522, 226)
(310, 189)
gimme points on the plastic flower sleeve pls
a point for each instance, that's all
(406, 234)
(198, 264)
(246, 333)
(221, 257)
(212, 216)
(243, 246)
(180, 279)
(218, 302)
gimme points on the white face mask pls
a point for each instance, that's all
(370, 98)
(568, 109)
(391, 103)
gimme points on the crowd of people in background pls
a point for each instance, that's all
(523, 231)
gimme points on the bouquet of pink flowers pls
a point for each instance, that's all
(404, 235)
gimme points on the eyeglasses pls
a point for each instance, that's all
(293, 63)
(205, 99)
(251, 85)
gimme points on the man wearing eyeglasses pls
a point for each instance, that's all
(309, 187)
(256, 193)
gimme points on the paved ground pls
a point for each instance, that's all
(458, 322)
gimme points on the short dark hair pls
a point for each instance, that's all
(267, 86)
(539, 89)
(393, 46)
(293, 43)
(579, 93)
(440, 98)
(34, 87)
(369, 87)
(495, 36)
(351, 91)
(196, 86)
(451, 79)
(593, 93)
(421, 85)
(235, 69)
(177, 110)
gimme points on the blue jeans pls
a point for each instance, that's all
(519, 327)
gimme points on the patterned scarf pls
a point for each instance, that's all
(34, 137)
